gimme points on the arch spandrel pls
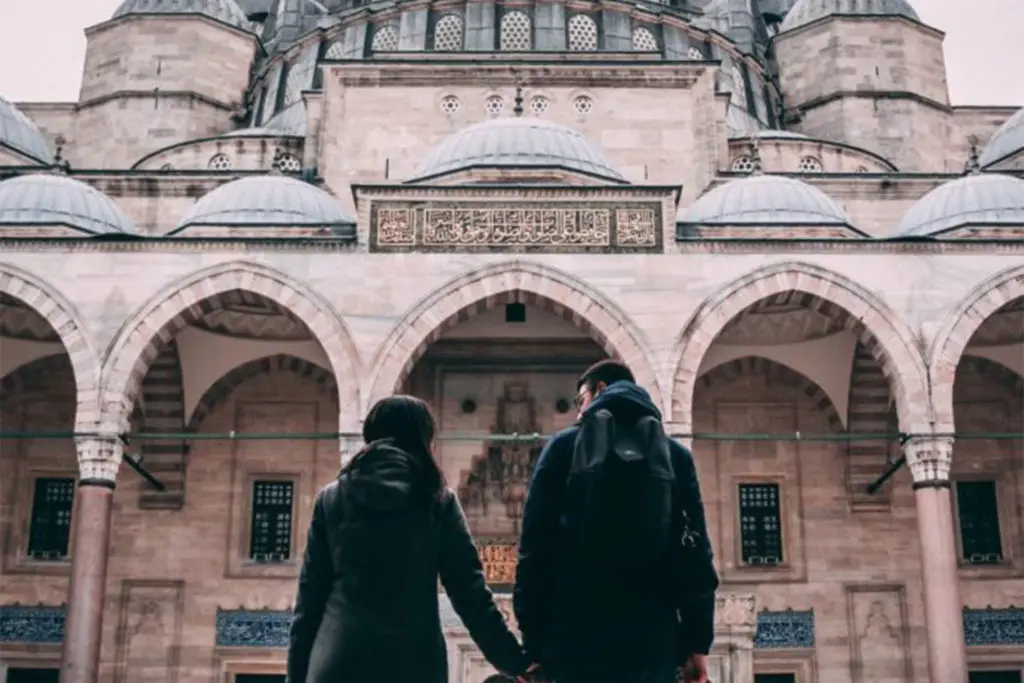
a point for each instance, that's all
(582, 305)
(139, 340)
(882, 331)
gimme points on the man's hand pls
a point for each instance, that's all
(695, 670)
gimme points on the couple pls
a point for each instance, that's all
(615, 582)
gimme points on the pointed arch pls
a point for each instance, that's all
(66, 321)
(147, 331)
(956, 332)
(521, 281)
(881, 331)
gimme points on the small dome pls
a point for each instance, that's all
(765, 200)
(227, 11)
(19, 133)
(51, 199)
(980, 198)
(806, 11)
(1007, 140)
(517, 142)
(267, 200)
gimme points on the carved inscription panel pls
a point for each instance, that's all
(878, 630)
(556, 227)
(149, 631)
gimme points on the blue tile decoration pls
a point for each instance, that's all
(994, 626)
(40, 624)
(253, 628)
(788, 629)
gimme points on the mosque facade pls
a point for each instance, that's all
(261, 216)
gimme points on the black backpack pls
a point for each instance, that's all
(620, 489)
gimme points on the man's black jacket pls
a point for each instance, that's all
(571, 611)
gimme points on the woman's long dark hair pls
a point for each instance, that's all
(404, 422)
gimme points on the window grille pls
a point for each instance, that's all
(582, 33)
(219, 162)
(760, 524)
(743, 164)
(978, 511)
(448, 33)
(385, 39)
(336, 50)
(271, 521)
(644, 40)
(516, 31)
(810, 165)
(50, 531)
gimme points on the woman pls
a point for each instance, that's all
(367, 607)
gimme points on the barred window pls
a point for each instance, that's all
(271, 521)
(978, 511)
(760, 524)
(582, 33)
(219, 162)
(644, 40)
(448, 33)
(810, 165)
(335, 50)
(49, 534)
(385, 39)
(743, 164)
(516, 32)
(695, 54)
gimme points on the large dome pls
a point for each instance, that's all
(268, 200)
(765, 200)
(806, 11)
(976, 199)
(51, 199)
(20, 134)
(517, 142)
(227, 11)
(1007, 140)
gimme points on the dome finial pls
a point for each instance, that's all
(755, 153)
(60, 164)
(973, 165)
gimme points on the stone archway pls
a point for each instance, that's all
(954, 335)
(66, 322)
(516, 281)
(881, 331)
(143, 336)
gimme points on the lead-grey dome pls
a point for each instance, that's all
(1008, 139)
(976, 199)
(227, 11)
(806, 11)
(20, 134)
(765, 200)
(517, 142)
(51, 199)
(267, 200)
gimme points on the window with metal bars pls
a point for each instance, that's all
(760, 524)
(978, 511)
(1003, 676)
(774, 678)
(24, 675)
(50, 530)
(271, 521)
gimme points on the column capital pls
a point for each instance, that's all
(99, 459)
(930, 459)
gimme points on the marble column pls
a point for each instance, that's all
(98, 461)
(930, 460)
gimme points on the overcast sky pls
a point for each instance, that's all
(42, 47)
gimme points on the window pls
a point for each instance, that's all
(18, 675)
(385, 39)
(810, 165)
(516, 32)
(448, 33)
(50, 530)
(1004, 676)
(219, 162)
(760, 524)
(977, 509)
(742, 164)
(644, 40)
(774, 678)
(336, 50)
(582, 33)
(271, 521)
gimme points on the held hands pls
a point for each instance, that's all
(694, 671)
(534, 674)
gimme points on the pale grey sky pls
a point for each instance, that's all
(42, 46)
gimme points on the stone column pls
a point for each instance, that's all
(930, 459)
(98, 461)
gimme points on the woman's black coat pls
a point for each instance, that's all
(367, 606)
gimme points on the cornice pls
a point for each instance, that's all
(514, 192)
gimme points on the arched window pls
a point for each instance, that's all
(448, 33)
(516, 32)
(695, 54)
(810, 164)
(644, 40)
(385, 39)
(743, 164)
(582, 33)
(335, 50)
(219, 162)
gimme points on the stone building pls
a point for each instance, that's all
(260, 216)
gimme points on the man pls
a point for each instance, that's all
(619, 610)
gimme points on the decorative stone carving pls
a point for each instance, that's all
(253, 628)
(929, 458)
(734, 610)
(99, 458)
(553, 227)
(990, 626)
(36, 624)
(788, 629)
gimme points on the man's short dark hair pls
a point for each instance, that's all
(605, 372)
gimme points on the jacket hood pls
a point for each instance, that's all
(624, 396)
(383, 478)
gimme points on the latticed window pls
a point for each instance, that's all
(739, 88)
(50, 531)
(271, 521)
(583, 104)
(450, 104)
(810, 165)
(977, 507)
(644, 40)
(743, 164)
(582, 33)
(494, 104)
(695, 54)
(335, 50)
(448, 33)
(288, 163)
(385, 39)
(219, 162)
(539, 104)
(516, 31)
(760, 524)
